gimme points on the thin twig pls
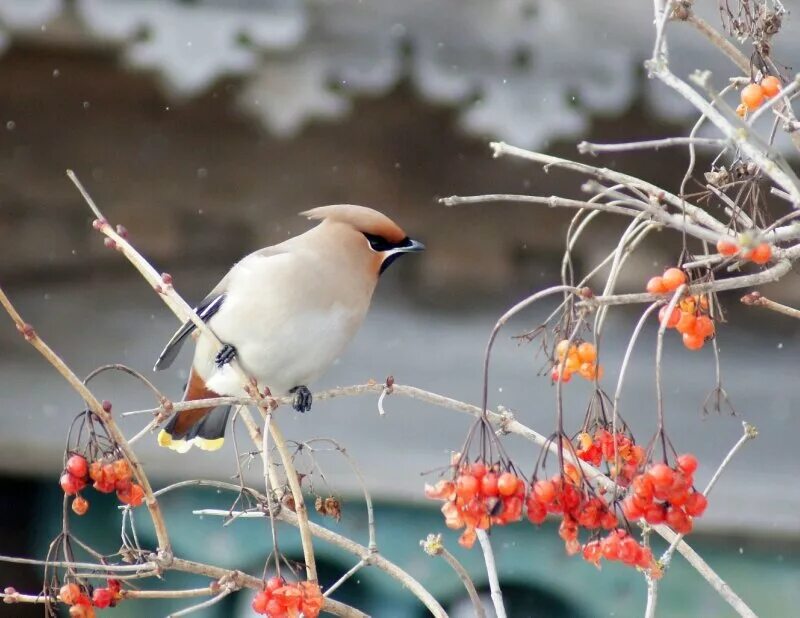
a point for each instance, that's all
(491, 571)
(756, 299)
(655, 144)
(433, 546)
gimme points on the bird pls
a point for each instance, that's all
(285, 313)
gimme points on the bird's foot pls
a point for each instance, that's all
(225, 355)
(302, 398)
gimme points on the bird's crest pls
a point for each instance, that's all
(363, 219)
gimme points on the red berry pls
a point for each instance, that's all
(273, 583)
(467, 486)
(537, 512)
(544, 491)
(643, 486)
(133, 495)
(704, 326)
(687, 463)
(489, 485)
(478, 469)
(654, 514)
(507, 484)
(673, 318)
(760, 255)
(727, 248)
(693, 341)
(102, 597)
(274, 609)
(676, 517)
(559, 374)
(630, 509)
(77, 466)
(259, 604)
(71, 484)
(608, 521)
(629, 550)
(662, 475)
(696, 504)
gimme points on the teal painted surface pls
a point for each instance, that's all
(539, 578)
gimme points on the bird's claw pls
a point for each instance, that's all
(225, 355)
(302, 398)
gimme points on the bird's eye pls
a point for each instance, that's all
(380, 244)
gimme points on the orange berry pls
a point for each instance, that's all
(693, 341)
(587, 352)
(704, 326)
(69, 593)
(656, 285)
(587, 371)
(673, 278)
(771, 86)
(673, 318)
(80, 505)
(741, 110)
(573, 363)
(507, 484)
(559, 374)
(686, 324)
(467, 487)
(761, 254)
(122, 470)
(727, 248)
(752, 96)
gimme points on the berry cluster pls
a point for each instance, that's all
(608, 446)
(760, 254)
(82, 605)
(479, 497)
(106, 476)
(620, 546)
(690, 318)
(576, 358)
(753, 95)
(562, 495)
(665, 495)
(580, 509)
(280, 599)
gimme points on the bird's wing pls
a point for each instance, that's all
(207, 308)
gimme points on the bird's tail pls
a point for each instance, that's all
(200, 427)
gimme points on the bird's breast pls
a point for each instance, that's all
(282, 353)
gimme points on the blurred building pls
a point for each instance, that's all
(205, 126)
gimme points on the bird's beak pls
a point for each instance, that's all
(414, 247)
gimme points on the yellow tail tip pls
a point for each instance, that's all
(166, 440)
(209, 445)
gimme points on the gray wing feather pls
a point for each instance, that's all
(207, 308)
